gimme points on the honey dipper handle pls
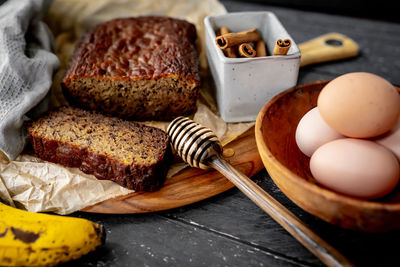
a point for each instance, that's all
(325, 252)
(328, 47)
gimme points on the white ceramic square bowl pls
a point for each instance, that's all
(244, 85)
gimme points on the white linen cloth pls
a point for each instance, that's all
(26, 68)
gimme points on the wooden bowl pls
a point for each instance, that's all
(289, 167)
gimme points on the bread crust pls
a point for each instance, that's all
(136, 50)
(138, 177)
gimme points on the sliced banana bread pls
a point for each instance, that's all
(130, 154)
(143, 68)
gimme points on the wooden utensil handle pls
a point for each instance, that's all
(325, 252)
(328, 47)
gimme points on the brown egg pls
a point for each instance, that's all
(359, 105)
(312, 132)
(391, 140)
(355, 167)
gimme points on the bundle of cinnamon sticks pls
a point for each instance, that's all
(247, 44)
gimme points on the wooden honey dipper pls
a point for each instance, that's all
(199, 147)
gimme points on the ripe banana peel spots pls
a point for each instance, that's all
(35, 239)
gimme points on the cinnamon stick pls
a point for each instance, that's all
(282, 47)
(246, 50)
(261, 49)
(232, 39)
(230, 51)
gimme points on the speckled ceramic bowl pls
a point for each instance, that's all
(243, 85)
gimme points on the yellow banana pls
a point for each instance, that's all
(36, 239)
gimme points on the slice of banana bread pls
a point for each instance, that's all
(143, 68)
(130, 154)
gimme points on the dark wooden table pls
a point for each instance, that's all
(228, 229)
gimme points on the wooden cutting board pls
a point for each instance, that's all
(189, 185)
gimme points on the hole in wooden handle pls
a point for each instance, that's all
(334, 42)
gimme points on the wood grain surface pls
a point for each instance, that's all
(188, 186)
(289, 167)
(229, 229)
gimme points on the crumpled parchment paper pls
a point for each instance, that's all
(40, 186)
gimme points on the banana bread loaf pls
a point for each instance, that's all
(143, 68)
(130, 154)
